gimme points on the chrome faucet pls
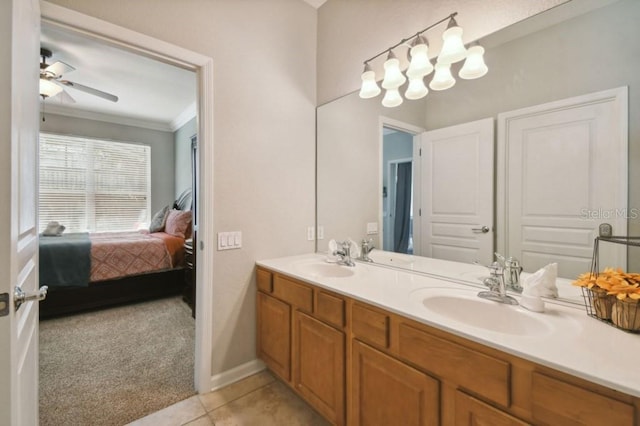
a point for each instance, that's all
(511, 269)
(497, 286)
(365, 249)
(344, 253)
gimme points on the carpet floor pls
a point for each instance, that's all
(113, 366)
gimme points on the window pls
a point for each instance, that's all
(92, 185)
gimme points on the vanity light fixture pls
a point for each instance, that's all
(393, 77)
(392, 98)
(442, 79)
(453, 50)
(474, 66)
(369, 88)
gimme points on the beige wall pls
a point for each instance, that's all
(264, 133)
(350, 32)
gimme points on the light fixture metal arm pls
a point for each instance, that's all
(404, 40)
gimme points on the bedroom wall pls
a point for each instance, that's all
(182, 138)
(161, 143)
(264, 56)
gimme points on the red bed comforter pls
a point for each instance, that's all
(120, 254)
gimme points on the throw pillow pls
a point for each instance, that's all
(158, 221)
(178, 223)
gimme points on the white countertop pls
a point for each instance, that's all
(571, 342)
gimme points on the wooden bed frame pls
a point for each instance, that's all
(63, 301)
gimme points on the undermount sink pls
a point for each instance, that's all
(320, 269)
(464, 306)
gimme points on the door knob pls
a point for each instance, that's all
(482, 230)
(20, 296)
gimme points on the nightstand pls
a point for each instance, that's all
(189, 293)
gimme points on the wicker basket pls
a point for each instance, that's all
(625, 314)
(602, 303)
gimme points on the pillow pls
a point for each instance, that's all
(178, 223)
(158, 221)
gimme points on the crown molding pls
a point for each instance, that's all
(184, 117)
(108, 118)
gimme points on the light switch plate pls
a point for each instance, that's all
(372, 228)
(229, 240)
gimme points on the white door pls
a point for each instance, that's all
(564, 168)
(19, 43)
(457, 192)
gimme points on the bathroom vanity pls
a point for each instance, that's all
(369, 345)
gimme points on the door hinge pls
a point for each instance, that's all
(4, 304)
(419, 212)
(420, 152)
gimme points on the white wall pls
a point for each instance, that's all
(264, 56)
(350, 164)
(349, 32)
(161, 143)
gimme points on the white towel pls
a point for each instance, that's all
(542, 283)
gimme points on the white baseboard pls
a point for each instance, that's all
(237, 373)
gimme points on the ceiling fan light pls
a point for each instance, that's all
(369, 88)
(393, 77)
(49, 89)
(442, 79)
(453, 49)
(416, 89)
(474, 66)
(420, 64)
(392, 98)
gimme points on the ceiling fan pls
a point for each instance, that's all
(51, 82)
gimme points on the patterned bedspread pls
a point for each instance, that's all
(120, 254)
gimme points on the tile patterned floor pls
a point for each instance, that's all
(257, 400)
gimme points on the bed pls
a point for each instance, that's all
(88, 271)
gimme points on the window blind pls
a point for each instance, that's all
(93, 185)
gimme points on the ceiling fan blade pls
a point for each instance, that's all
(58, 68)
(90, 90)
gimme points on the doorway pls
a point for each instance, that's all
(203, 67)
(397, 192)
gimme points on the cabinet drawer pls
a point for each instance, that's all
(264, 280)
(471, 411)
(330, 308)
(297, 294)
(370, 326)
(560, 403)
(472, 370)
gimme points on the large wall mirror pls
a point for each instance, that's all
(364, 149)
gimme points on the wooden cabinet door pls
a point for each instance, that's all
(473, 412)
(274, 335)
(319, 366)
(388, 392)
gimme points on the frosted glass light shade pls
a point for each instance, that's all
(369, 88)
(416, 89)
(420, 64)
(392, 98)
(442, 79)
(474, 66)
(393, 77)
(452, 48)
(48, 88)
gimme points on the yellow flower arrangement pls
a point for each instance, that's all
(613, 281)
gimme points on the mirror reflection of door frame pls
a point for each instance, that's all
(388, 235)
(415, 131)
